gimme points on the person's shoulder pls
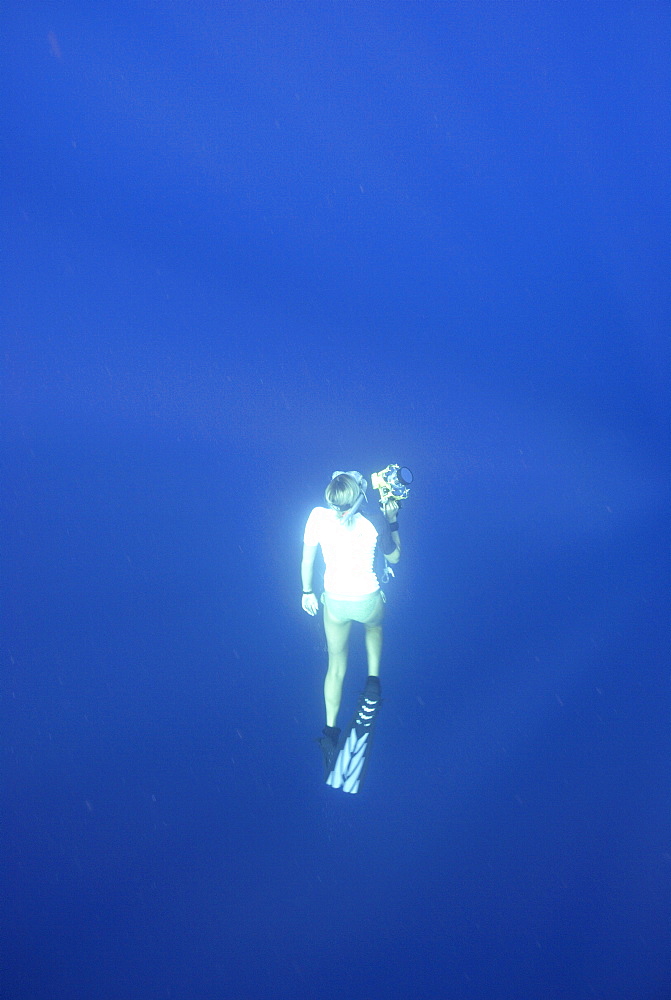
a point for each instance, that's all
(374, 518)
(318, 515)
(373, 513)
(319, 511)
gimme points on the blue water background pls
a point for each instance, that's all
(245, 244)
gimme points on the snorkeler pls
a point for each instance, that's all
(352, 593)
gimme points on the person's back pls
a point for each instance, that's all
(349, 550)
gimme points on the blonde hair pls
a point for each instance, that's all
(343, 491)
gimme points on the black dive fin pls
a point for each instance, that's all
(350, 767)
(329, 744)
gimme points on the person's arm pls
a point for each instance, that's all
(391, 513)
(393, 557)
(309, 602)
(307, 566)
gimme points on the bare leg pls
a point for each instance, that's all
(374, 649)
(337, 641)
(374, 640)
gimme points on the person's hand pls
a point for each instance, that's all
(310, 604)
(391, 510)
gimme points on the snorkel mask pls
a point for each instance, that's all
(349, 512)
(393, 483)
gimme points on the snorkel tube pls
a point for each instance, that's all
(354, 508)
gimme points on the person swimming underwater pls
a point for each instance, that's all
(352, 593)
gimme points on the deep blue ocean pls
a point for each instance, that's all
(245, 244)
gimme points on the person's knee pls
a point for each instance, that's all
(337, 650)
(337, 645)
(337, 669)
(337, 638)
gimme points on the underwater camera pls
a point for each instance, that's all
(393, 483)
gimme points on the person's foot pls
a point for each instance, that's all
(329, 744)
(372, 689)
